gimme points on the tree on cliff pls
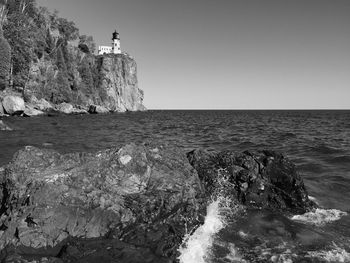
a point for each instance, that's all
(86, 75)
(87, 44)
(44, 60)
(18, 34)
(67, 29)
(5, 54)
(5, 49)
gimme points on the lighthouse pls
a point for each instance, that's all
(114, 49)
(116, 43)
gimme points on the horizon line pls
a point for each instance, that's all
(200, 109)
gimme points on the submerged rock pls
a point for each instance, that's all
(13, 105)
(262, 179)
(136, 201)
(4, 127)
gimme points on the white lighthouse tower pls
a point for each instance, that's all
(116, 43)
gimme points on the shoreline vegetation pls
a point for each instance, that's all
(47, 63)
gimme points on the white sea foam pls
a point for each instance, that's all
(234, 256)
(336, 254)
(197, 246)
(319, 216)
(313, 199)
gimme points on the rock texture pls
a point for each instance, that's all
(31, 111)
(262, 179)
(132, 204)
(42, 104)
(65, 108)
(117, 86)
(96, 109)
(13, 105)
(108, 82)
(138, 199)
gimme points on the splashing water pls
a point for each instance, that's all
(197, 246)
(320, 217)
(336, 254)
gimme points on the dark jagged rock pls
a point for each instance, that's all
(263, 179)
(135, 202)
(132, 204)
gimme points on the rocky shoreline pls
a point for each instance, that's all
(130, 204)
(14, 105)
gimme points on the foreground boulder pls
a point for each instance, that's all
(134, 203)
(130, 204)
(13, 105)
(263, 179)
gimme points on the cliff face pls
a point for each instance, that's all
(117, 84)
(50, 60)
(84, 79)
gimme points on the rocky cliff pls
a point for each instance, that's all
(117, 84)
(109, 81)
(50, 60)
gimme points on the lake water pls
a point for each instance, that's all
(318, 142)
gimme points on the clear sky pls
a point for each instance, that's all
(228, 54)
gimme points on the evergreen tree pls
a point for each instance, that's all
(5, 62)
(87, 44)
(86, 75)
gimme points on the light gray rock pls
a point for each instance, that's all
(66, 108)
(118, 85)
(96, 109)
(42, 104)
(31, 111)
(79, 111)
(13, 105)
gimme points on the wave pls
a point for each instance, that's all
(320, 217)
(196, 248)
(336, 254)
